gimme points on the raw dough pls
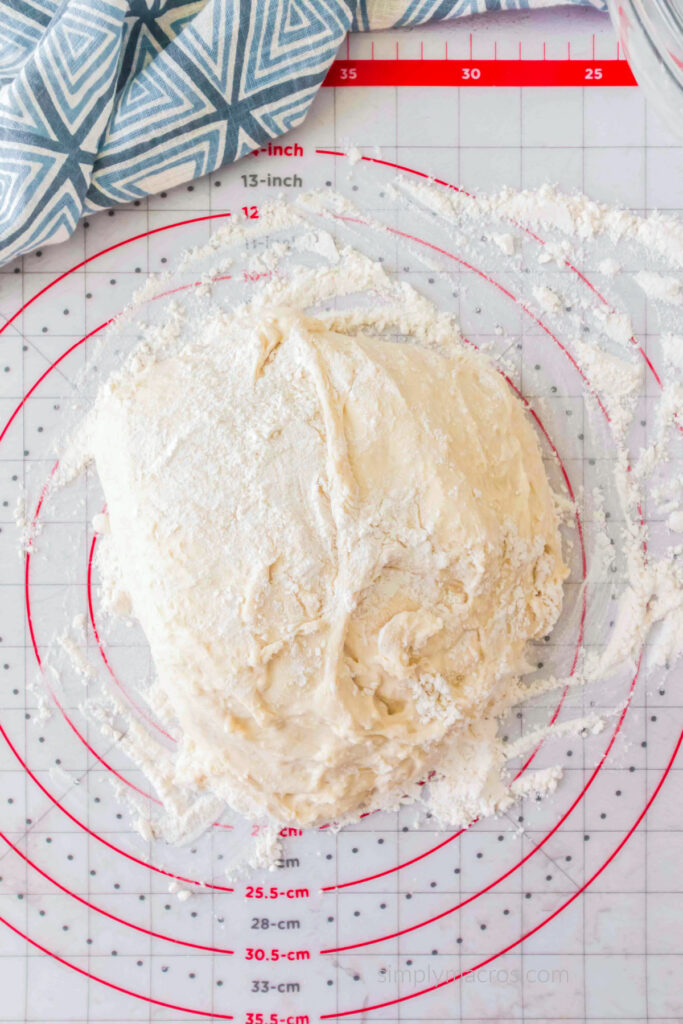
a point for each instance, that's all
(337, 547)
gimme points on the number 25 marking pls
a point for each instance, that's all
(593, 74)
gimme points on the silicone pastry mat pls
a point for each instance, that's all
(93, 932)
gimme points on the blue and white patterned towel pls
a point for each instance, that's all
(106, 101)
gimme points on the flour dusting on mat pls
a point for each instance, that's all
(331, 516)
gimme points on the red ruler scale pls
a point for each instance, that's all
(472, 73)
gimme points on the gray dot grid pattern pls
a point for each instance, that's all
(615, 951)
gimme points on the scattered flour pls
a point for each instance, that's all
(660, 286)
(548, 300)
(675, 521)
(609, 267)
(470, 762)
(506, 243)
(100, 523)
(672, 348)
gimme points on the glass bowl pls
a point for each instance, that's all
(651, 34)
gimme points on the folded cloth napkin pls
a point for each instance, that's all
(106, 101)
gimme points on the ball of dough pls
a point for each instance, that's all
(337, 548)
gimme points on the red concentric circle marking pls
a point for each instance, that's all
(34, 644)
(3, 434)
(517, 942)
(126, 781)
(122, 778)
(515, 867)
(99, 838)
(570, 490)
(521, 939)
(106, 913)
(455, 188)
(541, 924)
(103, 252)
(110, 984)
(36, 651)
(53, 695)
(95, 331)
(171, 291)
(505, 291)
